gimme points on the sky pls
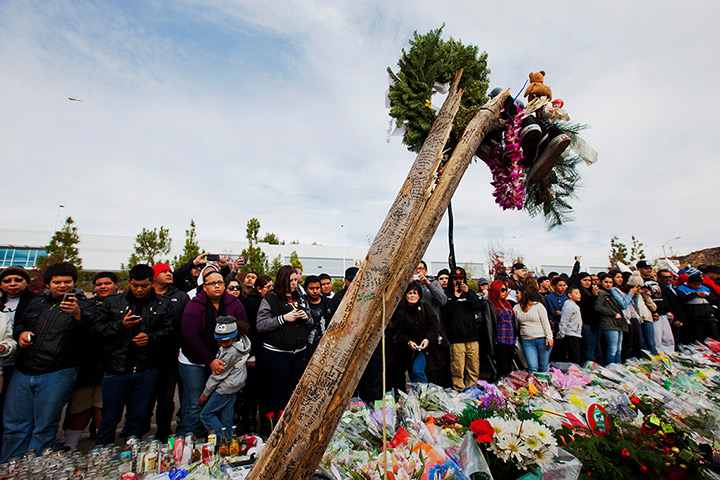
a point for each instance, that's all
(224, 110)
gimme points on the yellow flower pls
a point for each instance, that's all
(427, 103)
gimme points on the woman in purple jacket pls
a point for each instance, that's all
(197, 355)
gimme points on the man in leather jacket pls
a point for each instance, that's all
(130, 326)
(49, 333)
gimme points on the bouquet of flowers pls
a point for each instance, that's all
(514, 445)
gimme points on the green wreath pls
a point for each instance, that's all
(431, 61)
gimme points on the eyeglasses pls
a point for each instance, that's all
(214, 284)
(666, 277)
(503, 290)
(232, 288)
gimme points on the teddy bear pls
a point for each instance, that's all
(537, 88)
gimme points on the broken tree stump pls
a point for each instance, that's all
(296, 445)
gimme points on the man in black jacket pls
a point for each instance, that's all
(167, 354)
(49, 333)
(673, 307)
(462, 330)
(130, 326)
(86, 398)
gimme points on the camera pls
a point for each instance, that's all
(212, 257)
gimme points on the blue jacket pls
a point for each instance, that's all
(554, 302)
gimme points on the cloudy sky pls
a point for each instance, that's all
(223, 110)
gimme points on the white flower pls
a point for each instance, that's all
(512, 447)
(544, 434)
(515, 426)
(529, 428)
(543, 457)
(498, 424)
(533, 442)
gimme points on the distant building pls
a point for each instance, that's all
(108, 252)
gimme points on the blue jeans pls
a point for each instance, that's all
(33, 406)
(218, 413)
(536, 353)
(590, 339)
(417, 372)
(613, 344)
(193, 382)
(127, 391)
(648, 333)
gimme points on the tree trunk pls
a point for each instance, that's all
(299, 440)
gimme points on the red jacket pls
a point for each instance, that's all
(710, 283)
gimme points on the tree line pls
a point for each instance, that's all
(153, 245)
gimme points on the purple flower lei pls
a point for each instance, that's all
(508, 174)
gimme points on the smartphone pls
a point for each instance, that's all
(416, 277)
(68, 297)
(212, 257)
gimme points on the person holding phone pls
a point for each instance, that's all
(462, 330)
(415, 325)
(285, 322)
(185, 277)
(50, 333)
(131, 327)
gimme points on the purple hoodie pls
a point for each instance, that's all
(195, 344)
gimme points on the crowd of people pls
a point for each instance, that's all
(232, 346)
(520, 321)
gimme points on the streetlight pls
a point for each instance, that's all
(343, 232)
(57, 214)
(667, 265)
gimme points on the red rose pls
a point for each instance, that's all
(483, 430)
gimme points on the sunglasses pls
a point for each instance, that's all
(232, 288)
(503, 290)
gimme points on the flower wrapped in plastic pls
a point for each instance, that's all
(575, 377)
(434, 398)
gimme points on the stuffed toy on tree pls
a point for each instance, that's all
(428, 66)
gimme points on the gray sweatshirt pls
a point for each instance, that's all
(570, 321)
(233, 378)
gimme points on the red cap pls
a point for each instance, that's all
(160, 268)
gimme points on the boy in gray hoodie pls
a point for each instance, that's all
(570, 331)
(218, 397)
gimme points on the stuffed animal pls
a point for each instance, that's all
(554, 111)
(537, 88)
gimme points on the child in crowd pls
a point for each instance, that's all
(220, 391)
(570, 330)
